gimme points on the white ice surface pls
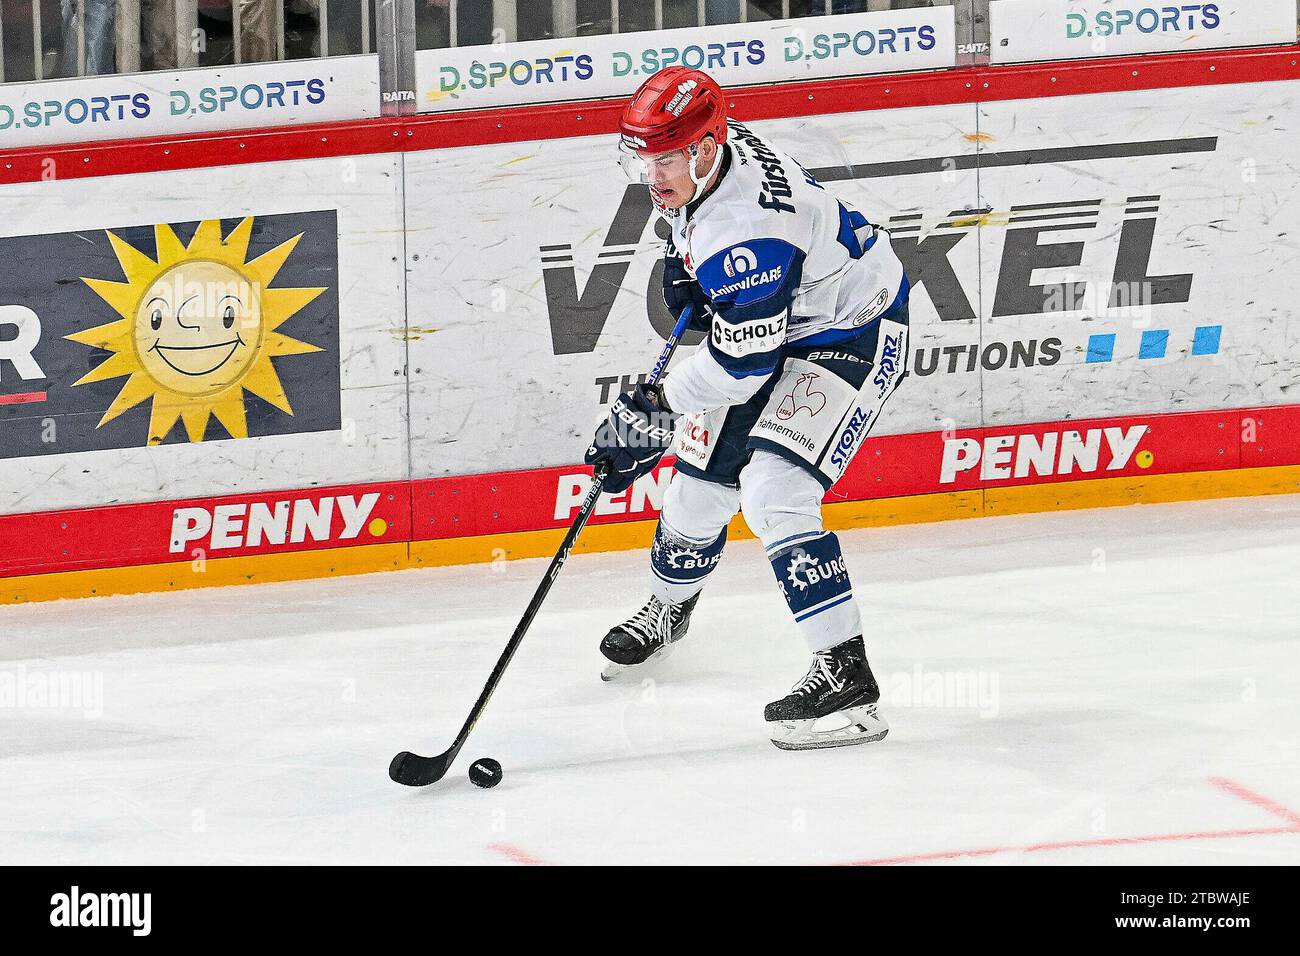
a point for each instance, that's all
(1147, 667)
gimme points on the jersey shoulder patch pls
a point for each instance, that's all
(749, 273)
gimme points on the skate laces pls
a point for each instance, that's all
(820, 672)
(654, 620)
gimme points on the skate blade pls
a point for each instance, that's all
(862, 725)
(612, 671)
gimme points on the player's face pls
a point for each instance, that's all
(668, 174)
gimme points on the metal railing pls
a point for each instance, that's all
(44, 38)
(564, 15)
(89, 37)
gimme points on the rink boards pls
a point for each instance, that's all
(1102, 314)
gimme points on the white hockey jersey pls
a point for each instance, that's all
(782, 261)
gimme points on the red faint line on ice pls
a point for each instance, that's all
(1259, 800)
(1236, 789)
(22, 398)
(1072, 845)
(522, 857)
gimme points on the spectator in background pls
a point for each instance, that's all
(167, 44)
(728, 11)
(257, 31)
(160, 46)
(722, 11)
(432, 24)
(345, 26)
(257, 26)
(99, 38)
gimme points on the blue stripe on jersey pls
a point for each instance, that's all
(850, 222)
(759, 363)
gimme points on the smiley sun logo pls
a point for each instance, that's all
(197, 329)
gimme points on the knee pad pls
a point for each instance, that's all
(691, 535)
(781, 501)
(698, 510)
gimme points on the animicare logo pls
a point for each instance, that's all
(739, 260)
(772, 275)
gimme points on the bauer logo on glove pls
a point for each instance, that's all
(632, 439)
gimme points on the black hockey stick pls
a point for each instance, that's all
(416, 771)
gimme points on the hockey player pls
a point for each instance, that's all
(805, 306)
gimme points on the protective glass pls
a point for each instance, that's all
(645, 168)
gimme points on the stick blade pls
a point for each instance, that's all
(412, 770)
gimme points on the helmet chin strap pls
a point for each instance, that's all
(700, 181)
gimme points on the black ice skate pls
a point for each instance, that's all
(839, 688)
(648, 634)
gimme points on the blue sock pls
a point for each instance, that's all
(816, 585)
(681, 566)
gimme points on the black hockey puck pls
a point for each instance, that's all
(485, 772)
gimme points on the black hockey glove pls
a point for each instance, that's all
(633, 438)
(681, 290)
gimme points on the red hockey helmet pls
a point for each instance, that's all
(674, 109)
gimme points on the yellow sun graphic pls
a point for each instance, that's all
(197, 329)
